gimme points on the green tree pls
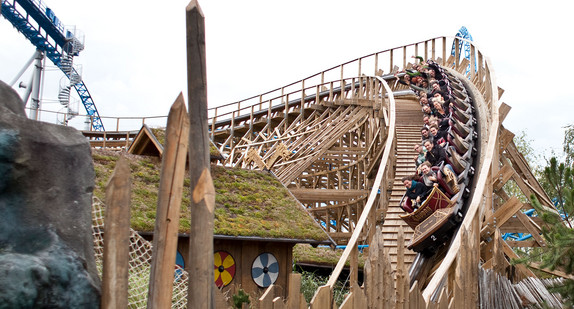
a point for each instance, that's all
(559, 250)
(524, 146)
(558, 181)
(568, 145)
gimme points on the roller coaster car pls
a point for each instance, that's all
(462, 146)
(432, 221)
(459, 91)
(457, 86)
(462, 104)
(459, 162)
(461, 115)
(436, 200)
(462, 130)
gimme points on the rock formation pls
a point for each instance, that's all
(46, 243)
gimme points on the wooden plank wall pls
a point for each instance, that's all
(469, 286)
(383, 287)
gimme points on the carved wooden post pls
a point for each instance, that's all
(200, 261)
(168, 206)
(117, 238)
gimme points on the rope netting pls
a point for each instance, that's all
(139, 264)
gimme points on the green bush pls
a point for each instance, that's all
(240, 298)
(310, 282)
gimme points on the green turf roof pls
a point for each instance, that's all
(159, 134)
(248, 203)
(307, 254)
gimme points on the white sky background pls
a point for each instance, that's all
(134, 63)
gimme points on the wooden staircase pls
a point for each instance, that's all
(409, 122)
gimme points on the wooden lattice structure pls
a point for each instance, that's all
(338, 141)
(324, 147)
(332, 140)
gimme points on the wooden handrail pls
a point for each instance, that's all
(337, 72)
(352, 243)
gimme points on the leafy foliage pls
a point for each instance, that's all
(557, 181)
(559, 250)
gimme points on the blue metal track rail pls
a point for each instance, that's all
(44, 30)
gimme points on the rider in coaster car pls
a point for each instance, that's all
(416, 191)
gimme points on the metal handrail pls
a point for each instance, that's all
(118, 120)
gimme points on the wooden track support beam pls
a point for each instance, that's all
(500, 216)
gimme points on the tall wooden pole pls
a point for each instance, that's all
(168, 206)
(200, 261)
(117, 239)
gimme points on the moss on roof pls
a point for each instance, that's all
(306, 254)
(248, 203)
(160, 136)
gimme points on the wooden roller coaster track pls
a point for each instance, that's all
(341, 140)
(338, 140)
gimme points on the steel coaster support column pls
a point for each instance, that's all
(24, 68)
(26, 95)
(36, 83)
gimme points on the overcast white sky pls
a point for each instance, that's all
(134, 63)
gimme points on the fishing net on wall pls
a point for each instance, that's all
(139, 265)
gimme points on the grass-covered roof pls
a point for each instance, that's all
(159, 134)
(248, 203)
(305, 253)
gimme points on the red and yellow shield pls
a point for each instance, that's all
(223, 268)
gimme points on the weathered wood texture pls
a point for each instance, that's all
(245, 252)
(496, 289)
(407, 136)
(200, 260)
(323, 298)
(110, 139)
(348, 158)
(296, 300)
(168, 206)
(117, 240)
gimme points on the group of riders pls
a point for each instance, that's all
(432, 86)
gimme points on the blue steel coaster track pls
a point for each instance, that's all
(53, 41)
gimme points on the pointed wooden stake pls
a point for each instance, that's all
(200, 260)
(168, 206)
(117, 239)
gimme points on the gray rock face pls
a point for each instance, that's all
(46, 242)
